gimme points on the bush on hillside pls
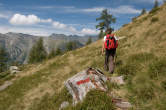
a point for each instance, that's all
(134, 19)
(163, 84)
(154, 10)
(124, 25)
(89, 41)
(154, 19)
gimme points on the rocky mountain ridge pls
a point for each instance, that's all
(18, 45)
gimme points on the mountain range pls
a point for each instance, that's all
(18, 45)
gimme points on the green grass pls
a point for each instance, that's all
(95, 100)
(19, 88)
(52, 102)
(140, 58)
(5, 76)
(157, 68)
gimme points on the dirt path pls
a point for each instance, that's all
(5, 85)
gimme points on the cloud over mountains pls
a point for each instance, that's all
(29, 20)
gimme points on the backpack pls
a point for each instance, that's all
(111, 42)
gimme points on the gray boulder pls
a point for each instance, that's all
(64, 105)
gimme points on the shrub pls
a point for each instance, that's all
(154, 19)
(163, 84)
(134, 19)
(124, 25)
(154, 10)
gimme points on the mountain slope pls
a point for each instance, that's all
(18, 45)
(141, 58)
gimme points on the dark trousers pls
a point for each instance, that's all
(109, 60)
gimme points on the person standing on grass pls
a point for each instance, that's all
(109, 46)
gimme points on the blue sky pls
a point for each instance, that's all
(44, 17)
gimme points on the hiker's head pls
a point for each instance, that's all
(109, 31)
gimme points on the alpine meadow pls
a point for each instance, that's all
(140, 59)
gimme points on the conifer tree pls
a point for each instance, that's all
(3, 59)
(69, 46)
(58, 51)
(156, 4)
(38, 52)
(52, 54)
(89, 41)
(106, 20)
(143, 11)
(101, 34)
(164, 1)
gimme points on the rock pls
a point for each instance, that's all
(5, 85)
(118, 80)
(14, 69)
(64, 105)
(123, 105)
(80, 84)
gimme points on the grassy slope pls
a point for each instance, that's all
(141, 58)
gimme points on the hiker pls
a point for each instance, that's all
(109, 46)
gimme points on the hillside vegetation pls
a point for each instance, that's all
(141, 58)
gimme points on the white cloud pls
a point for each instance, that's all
(4, 16)
(46, 31)
(64, 27)
(46, 20)
(54, 7)
(19, 19)
(97, 9)
(87, 31)
(29, 30)
(72, 29)
(147, 1)
(23, 20)
(59, 25)
(125, 9)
